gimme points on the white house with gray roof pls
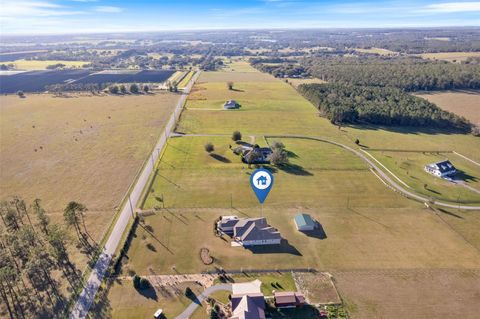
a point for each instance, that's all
(441, 169)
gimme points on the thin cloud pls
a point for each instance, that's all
(108, 9)
(451, 7)
(34, 9)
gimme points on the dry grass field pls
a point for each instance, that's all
(42, 65)
(297, 82)
(376, 51)
(81, 148)
(450, 56)
(410, 294)
(463, 103)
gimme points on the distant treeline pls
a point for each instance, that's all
(345, 103)
(283, 70)
(410, 74)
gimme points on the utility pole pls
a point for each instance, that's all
(131, 206)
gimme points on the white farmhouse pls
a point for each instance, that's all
(441, 169)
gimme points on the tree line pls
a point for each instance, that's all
(346, 103)
(409, 74)
(35, 264)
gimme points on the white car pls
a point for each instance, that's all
(158, 314)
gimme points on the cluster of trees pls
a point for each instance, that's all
(210, 63)
(345, 103)
(279, 156)
(55, 66)
(34, 261)
(410, 74)
(284, 70)
(122, 89)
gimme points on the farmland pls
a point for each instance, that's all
(23, 64)
(376, 51)
(450, 56)
(36, 81)
(463, 103)
(83, 148)
(373, 227)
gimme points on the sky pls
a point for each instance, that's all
(101, 16)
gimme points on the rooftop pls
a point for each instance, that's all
(304, 220)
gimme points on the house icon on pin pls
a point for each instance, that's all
(262, 180)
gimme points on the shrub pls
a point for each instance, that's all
(278, 145)
(278, 157)
(209, 147)
(140, 283)
(357, 141)
(146, 88)
(20, 94)
(188, 292)
(236, 136)
(134, 88)
(144, 283)
(123, 89)
(136, 281)
(113, 89)
(230, 85)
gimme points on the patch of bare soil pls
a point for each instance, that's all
(318, 288)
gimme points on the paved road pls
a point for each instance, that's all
(386, 178)
(87, 296)
(204, 295)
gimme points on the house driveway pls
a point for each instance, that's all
(200, 298)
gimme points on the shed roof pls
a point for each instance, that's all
(304, 220)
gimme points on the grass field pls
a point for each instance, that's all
(463, 103)
(42, 65)
(365, 225)
(79, 148)
(128, 303)
(176, 76)
(450, 56)
(376, 51)
(410, 294)
(183, 83)
(408, 166)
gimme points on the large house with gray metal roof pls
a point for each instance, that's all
(249, 231)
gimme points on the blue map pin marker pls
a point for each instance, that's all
(261, 181)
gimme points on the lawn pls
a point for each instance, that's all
(81, 148)
(408, 166)
(127, 302)
(42, 65)
(190, 177)
(463, 103)
(270, 282)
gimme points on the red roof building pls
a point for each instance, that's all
(289, 299)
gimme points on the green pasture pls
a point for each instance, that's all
(408, 166)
